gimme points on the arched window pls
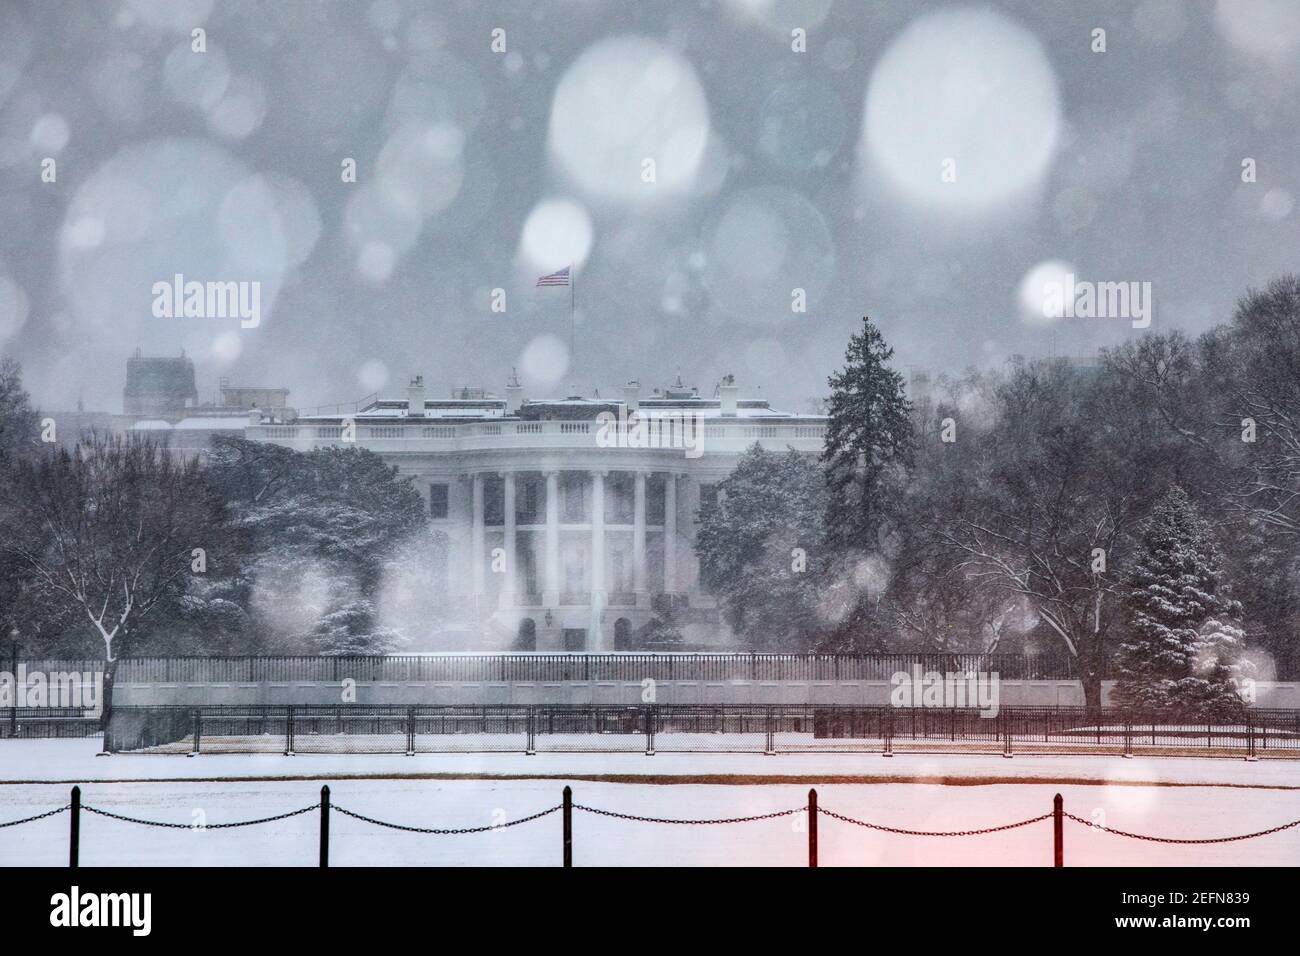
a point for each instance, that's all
(622, 634)
(526, 640)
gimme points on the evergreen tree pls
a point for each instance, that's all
(868, 441)
(758, 549)
(1182, 652)
(19, 425)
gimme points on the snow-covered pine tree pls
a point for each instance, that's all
(1182, 652)
(868, 439)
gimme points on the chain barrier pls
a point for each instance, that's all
(39, 816)
(443, 831)
(931, 833)
(1155, 839)
(206, 826)
(638, 818)
(641, 819)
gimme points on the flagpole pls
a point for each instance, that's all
(573, 337)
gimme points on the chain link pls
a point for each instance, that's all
(206, 826)
(641, 819)
(931, 833)
(1155, 839)
(443, 831)
(39, 816)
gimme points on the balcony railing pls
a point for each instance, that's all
(728, 435)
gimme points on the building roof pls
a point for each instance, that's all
(212, 423)
(157, 376)
(568, 408)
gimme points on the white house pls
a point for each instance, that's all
(569, 523)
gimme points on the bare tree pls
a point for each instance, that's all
(1048, 497)
(109, 531)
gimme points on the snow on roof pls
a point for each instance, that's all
(213, 423)
(151, 425)
(495, 408)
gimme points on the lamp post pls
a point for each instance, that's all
(13, 675)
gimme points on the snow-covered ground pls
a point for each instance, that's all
(1225, 797)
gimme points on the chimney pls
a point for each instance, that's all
(514, 394)
(415, 397)
(727, 392)
(632, 395)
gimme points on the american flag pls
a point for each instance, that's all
(555, 278)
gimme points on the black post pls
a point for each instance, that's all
(13, 670)
(74, 829)
(568, 826)
(325, 825)
(812, 827)
(1058, 830)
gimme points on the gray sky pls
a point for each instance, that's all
(482, 169)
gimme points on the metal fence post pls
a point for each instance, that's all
(650, 730)
(410, 732)
(325, 825)
(198, 728)
(812, 827)
(531, 747)
(568, 826)
(1250, 737)
(288, 732)
(889, 732)
(1058, 831)
(74, 829)
(1128, 735)
(1006, 737)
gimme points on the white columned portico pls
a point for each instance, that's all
(670, 532)
(508, 493)
(552, 596)
(638, 538)
(597, 641)
(476, 538)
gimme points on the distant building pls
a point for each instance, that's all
(161, 399)
(570, 523)
(159, 387)
(1082, 366)
(229, 416)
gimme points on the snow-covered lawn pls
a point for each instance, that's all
(1232, 797)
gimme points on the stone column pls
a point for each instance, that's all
(552, 596)
(597, 641)
(638, 538)
(512, 564)
(476, 539)
(670, 532)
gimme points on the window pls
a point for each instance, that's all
(526, 505)
(573, 504)
(494, 501)
(527, 564)
(654, 499)
(438, 500)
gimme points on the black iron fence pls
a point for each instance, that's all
(686, 728)
(585, 667)
(487, 667)
(42, 722)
